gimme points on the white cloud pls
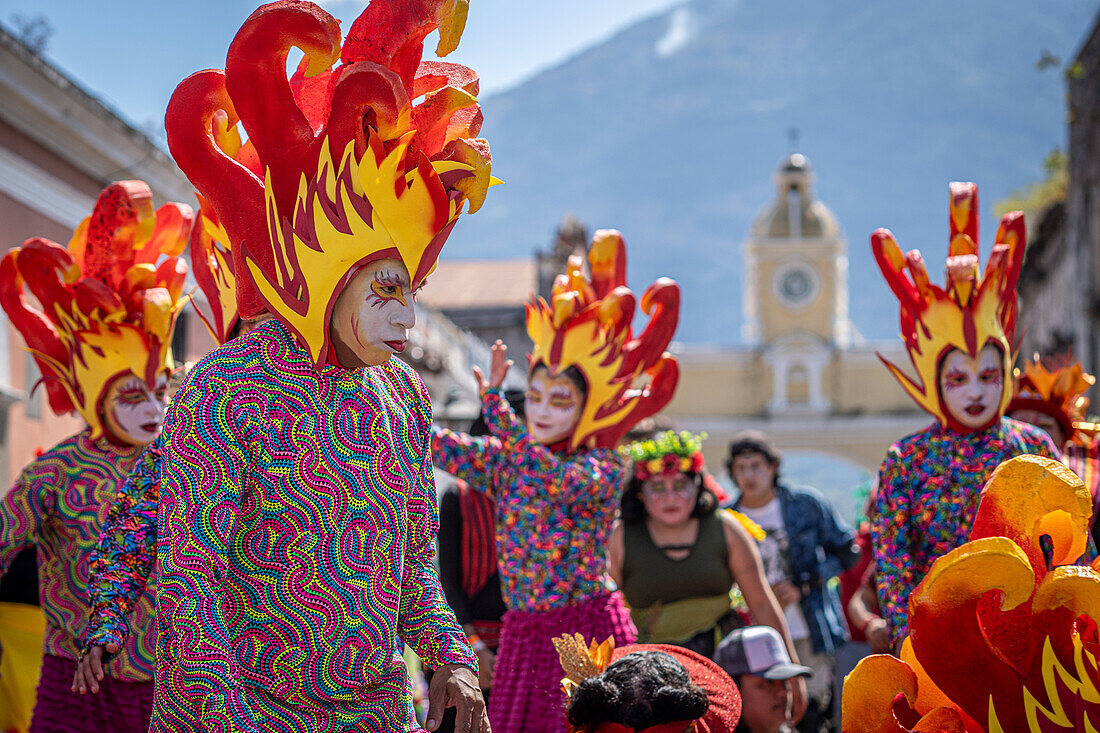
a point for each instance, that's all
(681, 29)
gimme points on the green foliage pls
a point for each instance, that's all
(1035, 198)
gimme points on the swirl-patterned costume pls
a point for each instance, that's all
(554, 511)
(121, 565)
(296, 539)
(929, 487)
(58, 503)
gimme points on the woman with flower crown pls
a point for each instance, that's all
(557, 479)
(102, 341)
(960, 339)
(676, 556)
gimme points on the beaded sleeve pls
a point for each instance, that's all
(120, 564)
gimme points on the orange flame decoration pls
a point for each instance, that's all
(971, 311)
(1059, 393)
(1003, 630)
(107, 307)
(352, 170)
(587, 325)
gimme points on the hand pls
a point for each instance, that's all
(486, 665)
(786, 593)
(878, 635)
(455, 685)
(89, 671)
(498, 369)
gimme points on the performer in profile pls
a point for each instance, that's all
(102, 342)
(557, 478)
(960, 340)
(297, 523)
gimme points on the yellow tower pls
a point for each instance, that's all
(796, 290)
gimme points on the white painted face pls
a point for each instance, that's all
(972, 389)
(373, 315)
(669, 498)
(553, 407)
(132, 412)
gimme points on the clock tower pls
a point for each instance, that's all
(796, 289)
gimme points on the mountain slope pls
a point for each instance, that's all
(671, 130)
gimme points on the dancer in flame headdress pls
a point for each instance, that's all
(557, 480)
(102, 341)
(1003, 630)
(1056, 402)
(960, 340)
(297, 456)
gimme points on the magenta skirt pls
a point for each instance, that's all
(527, 696)
(118, 707)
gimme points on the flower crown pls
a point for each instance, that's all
(667, 453)
(108, 301)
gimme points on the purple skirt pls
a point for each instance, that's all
(118, 707)
(527, 696)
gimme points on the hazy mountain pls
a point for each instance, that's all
(671, 130)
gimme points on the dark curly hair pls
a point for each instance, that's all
(639, 690)
(633, 510)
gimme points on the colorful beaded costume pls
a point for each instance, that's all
(929, 482)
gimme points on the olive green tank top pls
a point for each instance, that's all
(650, 576)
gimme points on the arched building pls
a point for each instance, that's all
(804, 375)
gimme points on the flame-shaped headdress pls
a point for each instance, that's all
(586, 326)
(212, 264)
(970, 311)
(353, 171)
(1059, 393)
(108, 302)
(1003, 633)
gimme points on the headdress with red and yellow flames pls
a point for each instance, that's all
(1059, 393)
(1003, 630)
(587, 326)
(108, 302)
(352, 170)
(973, 309)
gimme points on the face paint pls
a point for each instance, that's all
(553, 407)
(373, 315)
(134, 413)
(972, 389)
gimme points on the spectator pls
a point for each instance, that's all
(676, 556)
(807, 544)
(758, 662)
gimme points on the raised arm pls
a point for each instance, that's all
(474, 460)
(200, 504)
(890, 541)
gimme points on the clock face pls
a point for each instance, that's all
(796, 284)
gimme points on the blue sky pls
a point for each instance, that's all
(132, 54)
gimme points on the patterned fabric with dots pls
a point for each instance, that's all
(554, 510)
(121, 565)
(295, 536)
(928, 491)
(59, 503)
